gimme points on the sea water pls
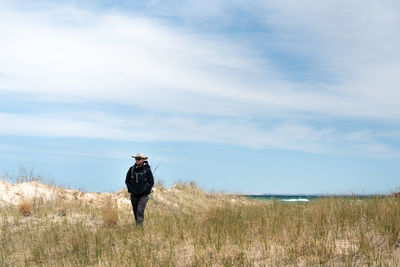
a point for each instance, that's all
(306, 198)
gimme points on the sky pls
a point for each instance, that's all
(250, 97)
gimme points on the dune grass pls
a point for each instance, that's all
(25, 207)
(203, 230)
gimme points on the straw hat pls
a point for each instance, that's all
(139, 156)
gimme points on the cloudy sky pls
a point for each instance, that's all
(238, 96)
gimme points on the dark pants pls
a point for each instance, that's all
(138, 205)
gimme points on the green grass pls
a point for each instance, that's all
(214, 232)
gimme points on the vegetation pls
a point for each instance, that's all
(110, 211)
(184, 226)
(25, 207)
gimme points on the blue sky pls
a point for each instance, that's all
(261, 97)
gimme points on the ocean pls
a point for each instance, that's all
(307, 198)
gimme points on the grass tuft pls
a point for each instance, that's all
(110, 211)
(25, 207)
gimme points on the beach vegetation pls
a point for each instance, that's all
(186, 226)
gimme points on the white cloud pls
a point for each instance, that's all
(356, 42)
(139, 128)
(352, 43)
(112, 57)
(115, 53)
(64, 53)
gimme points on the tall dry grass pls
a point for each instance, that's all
(205, 230)
(25, 207)
(110, 211)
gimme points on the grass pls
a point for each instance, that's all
(25, 207)
(110, 211)
(184, 226)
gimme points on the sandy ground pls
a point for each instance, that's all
(11, 194)
(182, 197)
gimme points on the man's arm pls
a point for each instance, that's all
(128, 176)
(151, 178)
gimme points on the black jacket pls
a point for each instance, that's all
(139, 180)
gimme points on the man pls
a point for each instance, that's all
(139, 181)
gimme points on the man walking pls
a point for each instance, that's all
(139, 181)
